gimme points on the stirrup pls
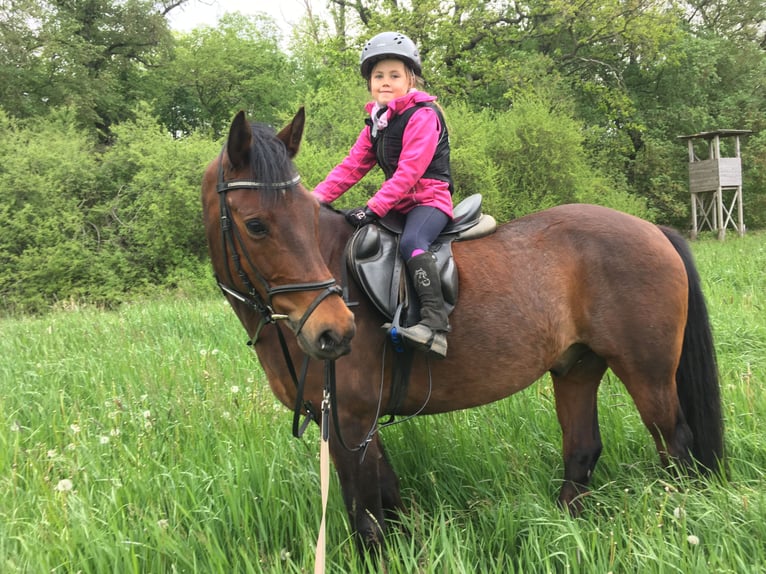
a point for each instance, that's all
(426, 339)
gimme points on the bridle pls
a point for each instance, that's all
(231, 238)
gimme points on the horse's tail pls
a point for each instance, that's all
(697, 375)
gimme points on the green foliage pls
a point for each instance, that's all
(87, 55)
(754, 181)
(216, 71)
(156, 205)
(528, 158)
(87, 226)
(45, 173)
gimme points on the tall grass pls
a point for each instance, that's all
(147, 440)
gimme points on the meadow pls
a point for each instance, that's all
(146, 440)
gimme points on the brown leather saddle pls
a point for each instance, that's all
(374, 261)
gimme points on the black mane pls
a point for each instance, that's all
(269, 160)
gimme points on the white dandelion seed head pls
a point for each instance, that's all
(75, 428)
(679, 513)
(103, 439)
(203, 352)
(114, 432)
(235, 389)
(147, 414)
(64, 485)
(693, 540)
(15, 426)
(163, 523)
(52, 453)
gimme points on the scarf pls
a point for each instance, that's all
(379, 117)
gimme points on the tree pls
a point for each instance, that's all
(216, 71)
(88, 54)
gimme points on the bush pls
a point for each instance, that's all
(155, 205)
(96, 225)
(46, 176)
(529, 158)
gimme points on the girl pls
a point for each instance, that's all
(407, 137)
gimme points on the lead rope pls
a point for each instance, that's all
(328, 402)
(324, 471)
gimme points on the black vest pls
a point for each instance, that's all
(388, 146)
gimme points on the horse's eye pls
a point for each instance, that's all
(256, 228)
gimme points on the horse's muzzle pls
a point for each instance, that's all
(331, 343)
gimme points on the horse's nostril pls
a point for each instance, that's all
(331, 344)
(327, 341)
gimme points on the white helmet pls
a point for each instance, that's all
(389, 45)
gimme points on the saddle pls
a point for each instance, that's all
(373, 258)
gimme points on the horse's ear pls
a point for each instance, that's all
(292, 133)
(240, 140)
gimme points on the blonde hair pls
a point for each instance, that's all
(415, 81)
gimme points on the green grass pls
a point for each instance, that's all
(147, 440)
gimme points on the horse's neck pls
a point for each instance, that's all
(334, 233)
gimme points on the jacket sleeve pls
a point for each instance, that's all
(419, 141)
(360, 160)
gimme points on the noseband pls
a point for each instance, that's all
(230, 238)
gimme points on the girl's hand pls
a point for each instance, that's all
(360, 216)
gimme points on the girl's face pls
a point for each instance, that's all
(390, 79)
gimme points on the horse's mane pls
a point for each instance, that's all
(269, 159)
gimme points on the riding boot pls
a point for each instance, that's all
(431, 332)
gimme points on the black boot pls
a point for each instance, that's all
(431, 332)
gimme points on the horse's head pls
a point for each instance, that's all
(261, 227)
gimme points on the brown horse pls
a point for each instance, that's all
(572, 291)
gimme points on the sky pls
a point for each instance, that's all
(196, 13)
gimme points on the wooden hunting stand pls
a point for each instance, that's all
(710, 179)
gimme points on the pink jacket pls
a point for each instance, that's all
(407, 188)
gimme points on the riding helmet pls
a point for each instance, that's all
(389, 45)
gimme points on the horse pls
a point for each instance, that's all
(571, 291)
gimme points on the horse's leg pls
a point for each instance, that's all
(389, 484)
(360, 481)
(655, 396)
(576, 395)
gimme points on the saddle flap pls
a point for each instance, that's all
(373, 258)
